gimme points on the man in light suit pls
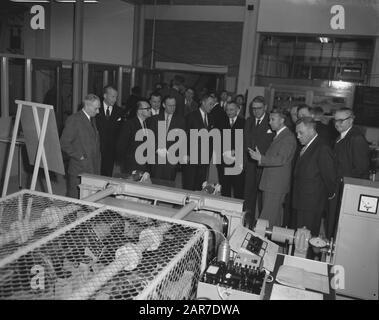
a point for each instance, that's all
(80, 141)
(277, 163)
(257, 133)
(314, 177)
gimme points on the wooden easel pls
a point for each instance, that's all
(41, 133)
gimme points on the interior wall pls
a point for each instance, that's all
(195, 43)
(314, 16)
(107, 31)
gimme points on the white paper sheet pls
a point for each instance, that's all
(280, 292)
(306, 264)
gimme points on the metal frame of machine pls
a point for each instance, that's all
(95, 188)
(106, 248)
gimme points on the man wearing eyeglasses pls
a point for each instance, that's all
(351, 148)
(127, 143)
(351, 151)
(257, 133)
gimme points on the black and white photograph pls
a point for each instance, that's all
(192, 154)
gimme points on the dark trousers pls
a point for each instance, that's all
(287, 212)
(252, 194)
(332, 212)
(107, 164)
(72, 186)
(194, 176)
(163, 171)
(311, 219)
(233, 183)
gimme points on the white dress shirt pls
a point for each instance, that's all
(154, 112)
(106, 107)
(343, 134)
(204, 116)
(307, 145)
(87, 115)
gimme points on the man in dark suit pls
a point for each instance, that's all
(224, 99)
(131, 102)
(314, 178)
(351, 148)
(322, 129)
(80, 141)
(221, 121)
(257, 133)
(189, 103)
(162, 172)
(156, 103)
(232, 183)
(352, 154)
(108, 122)
(176, 91)
(127, 143)
(277, 164)
(195, 172)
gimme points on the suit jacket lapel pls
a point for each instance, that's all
(308, 151)
(88, 124)
(200, 118)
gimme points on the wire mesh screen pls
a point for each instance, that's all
(110, 255)
(26, 217)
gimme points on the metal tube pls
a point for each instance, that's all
(101, 194)
(185, 210)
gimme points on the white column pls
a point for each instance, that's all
(250, 41)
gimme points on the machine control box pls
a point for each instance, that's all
(232, 281)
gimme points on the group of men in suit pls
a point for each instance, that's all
(305, 176)
(277, 170)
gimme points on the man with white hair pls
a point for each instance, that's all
(351, 148)
(80, 141)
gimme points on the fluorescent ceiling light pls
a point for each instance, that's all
(324, 39)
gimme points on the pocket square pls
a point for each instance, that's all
(119, 119)
(269, 131)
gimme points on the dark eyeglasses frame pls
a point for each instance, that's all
(341, 120)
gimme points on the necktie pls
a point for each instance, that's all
(303, 150)
(167, 122)
(231, 122)
(107, 113)
(258, 122)
(93, 124)
(205, 120)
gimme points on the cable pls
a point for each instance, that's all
(221, 295)
(225, 238)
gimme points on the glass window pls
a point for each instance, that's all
(47, 87)
(97, 74)
(16, 83)
(315, 58)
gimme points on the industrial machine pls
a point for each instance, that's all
(55, 248)
(357, 240)
(129, 239)
(222, 214)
